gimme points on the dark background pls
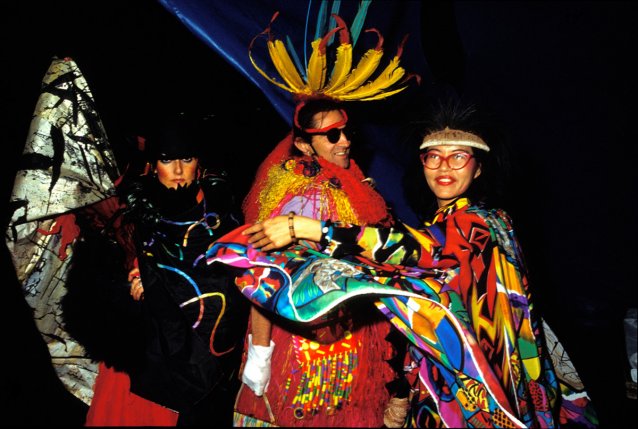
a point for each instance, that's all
(560, 75)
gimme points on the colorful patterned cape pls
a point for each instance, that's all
(477, 367)
(302, 284)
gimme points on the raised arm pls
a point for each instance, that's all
(278, 231)
(399, 245)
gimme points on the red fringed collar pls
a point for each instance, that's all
(368, 204)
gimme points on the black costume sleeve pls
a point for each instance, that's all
(98, 309)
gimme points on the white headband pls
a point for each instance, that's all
(450, 137)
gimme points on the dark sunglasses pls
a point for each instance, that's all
(334, 134)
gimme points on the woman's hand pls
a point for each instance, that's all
(137, 290)
(276, 233)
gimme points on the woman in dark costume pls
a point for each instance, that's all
(188, 319)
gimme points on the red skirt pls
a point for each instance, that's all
(113, 404)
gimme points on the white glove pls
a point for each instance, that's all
(256, 373)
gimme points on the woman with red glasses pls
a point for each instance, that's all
(480, 356)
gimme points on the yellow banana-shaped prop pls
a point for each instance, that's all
(344, 84)
(281, 60)
(285, 66)
(364, 69)
(263, 73)
(388, 77)
(341, 68)
(317, 65)
(343, 60)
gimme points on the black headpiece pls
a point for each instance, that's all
(173, 138)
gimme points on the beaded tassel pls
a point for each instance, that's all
(326, 383)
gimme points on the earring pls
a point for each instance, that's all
(148, 169)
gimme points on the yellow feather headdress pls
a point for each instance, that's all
(345, 83)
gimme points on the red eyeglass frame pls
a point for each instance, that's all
(422, 156)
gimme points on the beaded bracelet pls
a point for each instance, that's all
(291, 226)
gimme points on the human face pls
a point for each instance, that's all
(338, 153)
(176, 172)
(448, 184)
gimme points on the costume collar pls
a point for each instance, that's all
(348, 197)
(368, 205)
(448, 209)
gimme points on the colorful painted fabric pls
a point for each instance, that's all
(67, 163)
(480, 356)
(520, 359)
(301, 284)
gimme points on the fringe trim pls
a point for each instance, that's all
(327, 374)
(283, 183)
